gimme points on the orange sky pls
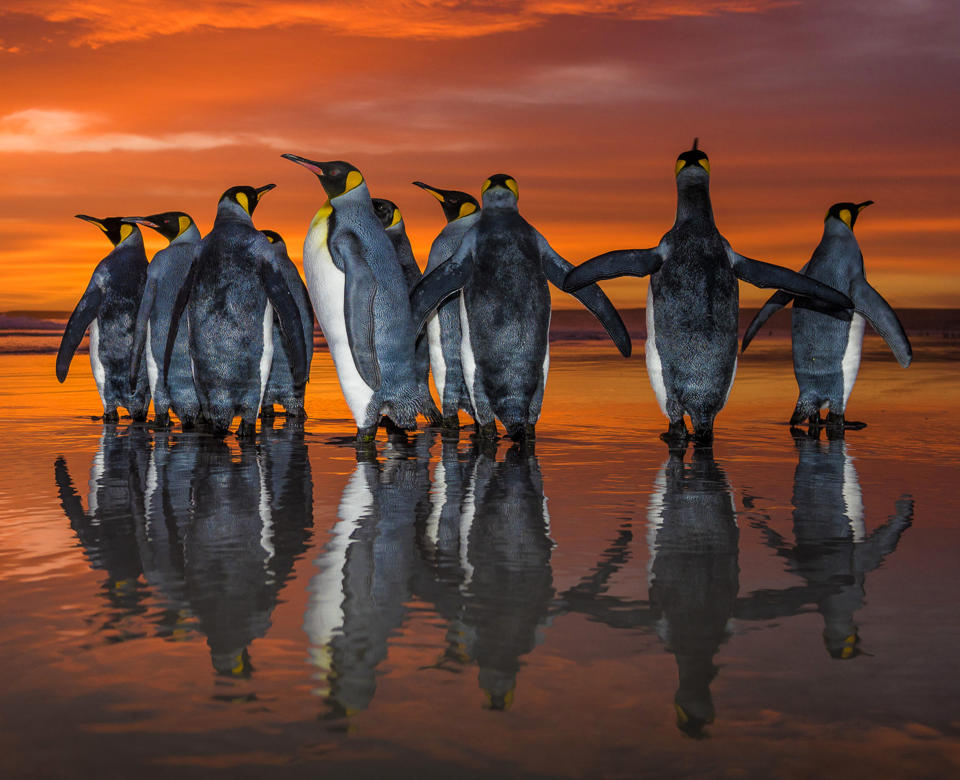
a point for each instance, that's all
(130, 108)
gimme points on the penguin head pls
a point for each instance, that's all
(232, 664)
(247, 198)
(455, 204)
(500, 191)
(693, 162)
(169, 224)
(842, 647)
(275, 238)
(387, 212)
(337, 177)
(116, 229)
(847, 213)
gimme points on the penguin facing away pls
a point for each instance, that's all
(501, 270)
(443, 328)
(165, 275)
(693, 302)
(826, 345)
(281, 389)
(109, 308)
(392, 221)
(360, 298)
(233, 288)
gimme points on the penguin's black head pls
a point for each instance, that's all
(246, 197)
(169, 224)
(455, 204)
(500, 190)
(692, 160)
(337, 177)
(116, 229)
(274, 238)
(847, 213)
(387, 212)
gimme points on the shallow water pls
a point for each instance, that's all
(596, 608)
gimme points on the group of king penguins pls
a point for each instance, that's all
(225, 323)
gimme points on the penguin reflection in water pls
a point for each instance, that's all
(693, 302)
(360, 297)
(832, 550)
(500, 271)
(165, 275)
(109, 308)
(233, 288)
(826, 345)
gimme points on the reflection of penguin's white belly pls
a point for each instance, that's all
(99, 373)
(266, 357)
(654, 367)
(437, 364)
(467, 361)
(152, 372)
(326, 284)
(851, 357)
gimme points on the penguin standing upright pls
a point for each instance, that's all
(392, 221)
(693, 302)
(501, 269)
(360, 298)
(233, 288)
(443, 328)
(109, 307)
(826, 346)
(281, 389)
(165, 275)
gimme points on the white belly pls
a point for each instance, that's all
(654, 367)
(437, 364)
(326, 284)
(153, 372)
(851, 357)
(99, 372)
(468, 364)
(853, 498)
(266, 358)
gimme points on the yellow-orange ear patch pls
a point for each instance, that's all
(466, 209)
(244, 201)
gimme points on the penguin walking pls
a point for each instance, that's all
(281, 388)
(501, 270)
(392, 221)
(360, 299)
(165, 275)
(443, 328)
(693, 302)
(233, 288)
(109, 308)
(826, 345)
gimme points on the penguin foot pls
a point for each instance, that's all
(487, 431)
(139, 417)
(112, 416)
(366, 435)
(161, 421)
(247, 430)
(267, 412)
(676, 433)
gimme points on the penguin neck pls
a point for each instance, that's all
(133, 241)
(230, 211)
(358, 197)
(836, 228)
(693, 201)
(188, 236)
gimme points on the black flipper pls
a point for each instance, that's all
(82, 316)
(69, 500)
(761, 274)
(140, 335)
(883, 319)
(774, 303)
(289, 313)
(359, 294)
(438, 285)
(557, 270)
(178, 307)
(622, 262)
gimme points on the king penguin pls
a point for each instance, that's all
(165, 275)
(826, 345)
(281, 389)
(693, 302)
(443, 328)
(360, 298)
(501, 270)
(392, 221)
(109, 307)
(233, 288)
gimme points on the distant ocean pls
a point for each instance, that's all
(38, 332)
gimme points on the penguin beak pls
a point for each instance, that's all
(264, 189)
(87, 218)
(862, 206)
(310, 165)
(438, 194)
(140, 221)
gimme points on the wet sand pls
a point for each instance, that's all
(174, 605)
